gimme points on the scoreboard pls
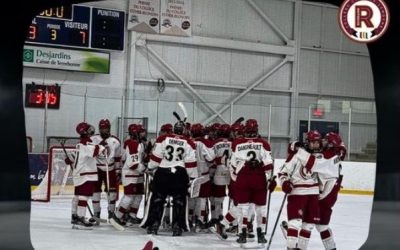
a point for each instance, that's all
(79, 26)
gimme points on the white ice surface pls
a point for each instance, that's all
(51, 229)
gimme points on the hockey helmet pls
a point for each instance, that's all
(197, 130)
(224, 131)
(166, 128)
(82, 128)
(104, 123)
(251, 126)
(333, 139)
(179, 128)
(313, 135)
(133, 129)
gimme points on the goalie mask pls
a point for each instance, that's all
(179, 128)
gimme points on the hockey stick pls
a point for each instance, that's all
(107, 180)
(183, 110)
(64, 181)
(269, 200)
(276, 221)
(280, 211)
(239, 120)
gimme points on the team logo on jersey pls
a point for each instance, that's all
(364, 20)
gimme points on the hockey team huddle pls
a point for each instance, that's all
(187, 173)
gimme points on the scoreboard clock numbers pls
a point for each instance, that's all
(78, 26)
(38, 96)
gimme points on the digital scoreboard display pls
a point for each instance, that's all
(79, 26)
(38, 96)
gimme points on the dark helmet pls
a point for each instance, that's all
(197, 130)
(82, 128)
(179, 128)
(166, 128)
(224, 131)
(251, 126)
(104, 123)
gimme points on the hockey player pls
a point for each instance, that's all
(110, 165)
(166, 129)
(252, 163)
(204, 155)
(84, 173)
(132, 180)
(301, 184)
(233, 214)
(330, 180)
(147, 146)
(220, 172)
(174, 162)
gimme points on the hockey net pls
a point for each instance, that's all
(57, 182)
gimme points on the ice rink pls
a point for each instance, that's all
(51, 229)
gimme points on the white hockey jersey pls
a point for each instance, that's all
(298, 169)
(204, 155)
(113, 146)
(327, 165)
(171, 151)
(133, 168)
(247, 149)
(223, 150)
(84, 165)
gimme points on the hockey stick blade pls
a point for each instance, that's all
(183, 108)
(116, 225)
(100, 220)
(240, 120)
(176, 116)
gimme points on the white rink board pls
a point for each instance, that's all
(356, 175)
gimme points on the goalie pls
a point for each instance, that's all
(174, 162)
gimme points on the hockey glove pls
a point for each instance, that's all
(272, 184)
(68, 161)
(294, 147)
(287, 187)
(118, 175)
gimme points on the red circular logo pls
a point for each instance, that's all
(364, 20)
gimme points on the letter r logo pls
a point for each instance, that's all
(363, 14)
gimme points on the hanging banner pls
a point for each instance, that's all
(66, 59)
(144, 16)
(176, 17)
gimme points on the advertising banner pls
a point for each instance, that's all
(66, 59)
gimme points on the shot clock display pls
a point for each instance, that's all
(79, 26)
(36, 96)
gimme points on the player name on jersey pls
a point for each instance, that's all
(174, 141)
(249, 146)
(222, 145)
